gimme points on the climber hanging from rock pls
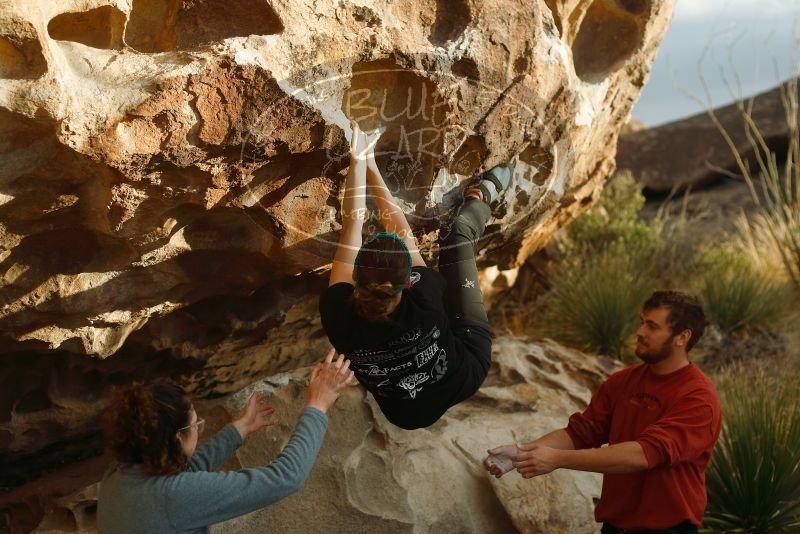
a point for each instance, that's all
(419, 340)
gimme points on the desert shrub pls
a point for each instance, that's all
(739, 295)
(610, 261)
(595, 306)
(754, 239)
(753, 479)
(614, 221)
(616, 225)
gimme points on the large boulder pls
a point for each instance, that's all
(171, 172)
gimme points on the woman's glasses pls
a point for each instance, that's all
(200, 423)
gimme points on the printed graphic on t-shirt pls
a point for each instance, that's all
(410, 383)
(411, 335)
(646, 400)
(407, 364)
(440, 367)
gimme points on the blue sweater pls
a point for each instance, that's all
(132, 503)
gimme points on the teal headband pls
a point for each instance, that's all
(373, 238)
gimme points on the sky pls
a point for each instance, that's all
(739, 47)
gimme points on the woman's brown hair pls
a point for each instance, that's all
(141, 423)
(382, 267)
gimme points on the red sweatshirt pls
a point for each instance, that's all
(676, 419)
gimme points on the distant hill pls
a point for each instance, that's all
(693, 152)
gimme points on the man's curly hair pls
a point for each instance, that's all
(685, 313)
(141, 423)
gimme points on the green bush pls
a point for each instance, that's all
(608, 261)
(738, 295)
(615, 224)
(614, 221)
(753, 480)
(595, 307)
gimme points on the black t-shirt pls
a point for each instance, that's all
(407, 359)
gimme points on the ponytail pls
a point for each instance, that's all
(372, 302)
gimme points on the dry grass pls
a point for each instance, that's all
(774, 187)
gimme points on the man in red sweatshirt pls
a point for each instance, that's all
(660, 418)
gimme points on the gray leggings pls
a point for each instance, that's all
(463, 300)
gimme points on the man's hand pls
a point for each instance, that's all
(534, 460)
(499, 461)
(254, 416)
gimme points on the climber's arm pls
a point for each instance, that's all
(354, 212)
(392, 217)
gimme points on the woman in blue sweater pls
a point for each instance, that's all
(164, 483)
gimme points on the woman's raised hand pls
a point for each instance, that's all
(254, 416)
(327, 380)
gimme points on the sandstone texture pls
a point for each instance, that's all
(693, 152)
(373, 477)
(171, 171)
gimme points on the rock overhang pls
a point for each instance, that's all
(171, 178)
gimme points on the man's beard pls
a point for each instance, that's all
(653, 355)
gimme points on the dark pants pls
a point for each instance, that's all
(463, 300)
(684, 528)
